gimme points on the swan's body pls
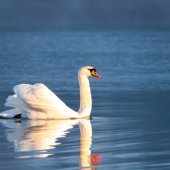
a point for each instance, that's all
(39, 102)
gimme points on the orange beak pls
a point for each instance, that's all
(93, 73)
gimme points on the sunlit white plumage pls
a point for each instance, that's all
(39, 102)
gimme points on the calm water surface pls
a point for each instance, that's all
(130, 127)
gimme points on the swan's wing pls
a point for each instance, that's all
(38, 98)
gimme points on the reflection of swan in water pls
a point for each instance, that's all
(85, 143)
(41, 135)
(86, 159)
(29, 135)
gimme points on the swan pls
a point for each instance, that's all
(39, 102)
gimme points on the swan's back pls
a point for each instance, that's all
(38, 100)
(38, 97)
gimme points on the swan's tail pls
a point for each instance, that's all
(18, 105)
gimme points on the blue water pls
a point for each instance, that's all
(130, 125)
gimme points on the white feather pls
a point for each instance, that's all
(39, 102)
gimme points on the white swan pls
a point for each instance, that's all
(38, 102)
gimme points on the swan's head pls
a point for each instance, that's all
(88, 71)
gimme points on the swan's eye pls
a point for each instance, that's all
(93, 69)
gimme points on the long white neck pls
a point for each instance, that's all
(85, 97)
